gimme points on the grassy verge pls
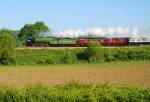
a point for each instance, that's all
(74, 92)
(116, 64)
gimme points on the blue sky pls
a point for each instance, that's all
(75, 14)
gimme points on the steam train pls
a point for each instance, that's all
(82, 42)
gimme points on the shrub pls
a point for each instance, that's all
(122, 55)
(7, 47)
(50, 60)
(66, 58)
(93, 52)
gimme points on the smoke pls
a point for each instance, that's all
(135, 32)
(99, 32)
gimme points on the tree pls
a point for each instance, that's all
(30, 31)
(93, 51)
(7, 47)
(40, 27)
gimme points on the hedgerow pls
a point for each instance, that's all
(79, 55)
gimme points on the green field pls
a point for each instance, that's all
(106, 82)
(122, 73)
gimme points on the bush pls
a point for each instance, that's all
(93, 52)
(7, 47)
(50, 60)
(122, 55)
(66, 58)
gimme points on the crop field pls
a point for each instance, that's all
(75, 92)
(122, 73)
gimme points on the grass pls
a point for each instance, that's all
(75, 92)
(115, 64)
(122, 73)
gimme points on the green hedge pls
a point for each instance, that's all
(73, 56)
(75, 92)
(47, 56)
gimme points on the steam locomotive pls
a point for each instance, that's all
(82, 42)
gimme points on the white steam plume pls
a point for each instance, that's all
(97, 32)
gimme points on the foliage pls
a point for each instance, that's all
(66, 58)
(40, 27)
(46, 56)
(93, 52)
(7, 47)
(30, 31)
(75, 92)
(79, 55)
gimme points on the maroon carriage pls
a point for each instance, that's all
(104, 41)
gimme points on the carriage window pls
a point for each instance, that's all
(101, 40)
